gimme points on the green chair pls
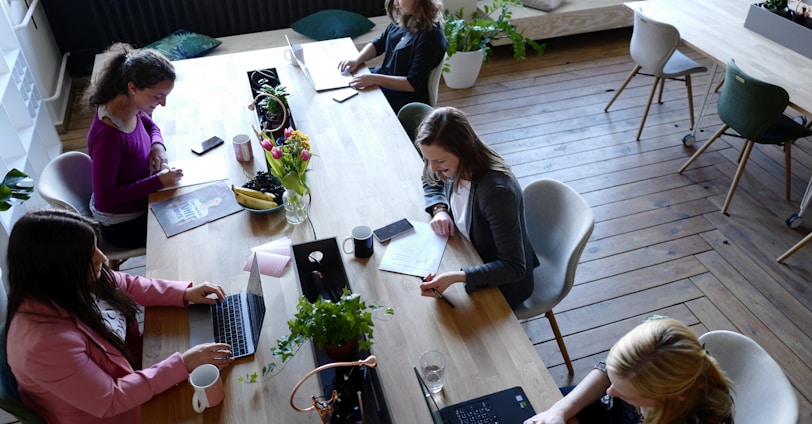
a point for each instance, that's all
(9, 400)
(754, 109)
(411, 116)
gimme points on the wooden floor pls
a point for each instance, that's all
(660, 244)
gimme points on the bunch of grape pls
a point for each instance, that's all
(266, 183)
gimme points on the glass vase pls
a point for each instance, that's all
(295, 207)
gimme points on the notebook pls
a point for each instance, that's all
(505, 407)
(236, 321)
(316, 61)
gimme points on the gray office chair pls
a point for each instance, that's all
(434, 83)
(559, 223)
(654, 49)
(66, 183)
(9, 399)
(755, 110)
(762, 393)
(412, 115)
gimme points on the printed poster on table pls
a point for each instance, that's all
(193, 209)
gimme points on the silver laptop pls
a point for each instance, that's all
(236, 321)
(314, 59)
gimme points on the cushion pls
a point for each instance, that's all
(332, 23)
(545, 5)
(183, 44)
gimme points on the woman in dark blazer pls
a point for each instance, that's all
(469, 189)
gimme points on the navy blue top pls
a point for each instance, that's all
(410, 55)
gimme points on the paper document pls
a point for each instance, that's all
(204, 169)
(417, 253)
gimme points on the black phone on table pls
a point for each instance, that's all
(388, 232)
(207, 145)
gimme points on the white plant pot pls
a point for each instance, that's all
(463, 69)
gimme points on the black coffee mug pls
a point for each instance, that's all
(362, 242)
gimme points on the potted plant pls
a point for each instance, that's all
(271, 104)
(16, 188)
(468, 41)
(345, 323)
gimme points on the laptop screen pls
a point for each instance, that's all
(434, 410)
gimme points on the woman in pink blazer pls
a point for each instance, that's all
(73, 342)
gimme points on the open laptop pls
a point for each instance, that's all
(236, 321)
(321, 70)
(503, 407)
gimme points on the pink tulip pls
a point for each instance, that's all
(266, 144)
(288, 132)
(305, 155)
(276, 152)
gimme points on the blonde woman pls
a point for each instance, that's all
(658, 373)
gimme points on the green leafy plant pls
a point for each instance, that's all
(776, 5)
(482, 29)
(16, 188)
(268, 103)
(325, 322)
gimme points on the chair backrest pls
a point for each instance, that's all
(9, 399)
(66, 182)
(762, 393)
(748, 105)
(411, 115)
(653, 43)
(559, 222)
(434, 83)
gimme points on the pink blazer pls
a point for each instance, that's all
(70, 374)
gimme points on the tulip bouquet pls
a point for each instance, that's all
(288, 158)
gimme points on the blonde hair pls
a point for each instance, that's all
(663, 360)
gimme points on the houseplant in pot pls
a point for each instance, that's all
(271, 104)
(468, 41)
(345, 323)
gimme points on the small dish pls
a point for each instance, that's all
(264, 211)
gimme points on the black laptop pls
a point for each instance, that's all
(236, 321)
(509, 406)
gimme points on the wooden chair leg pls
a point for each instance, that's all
(745, 154)
(690, 99)
(662, 88)
(795, 248)
(560, 340)
(703, 148)
(648, 106)
(623, 87)
(787, 167)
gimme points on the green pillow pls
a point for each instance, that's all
(183, 44)
(332, 23)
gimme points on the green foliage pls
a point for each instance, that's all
(776, 5)
(11, 193)
(465, 36)
(268, 103)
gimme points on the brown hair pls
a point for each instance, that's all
(145, 68)
(426, 13)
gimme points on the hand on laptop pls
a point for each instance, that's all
(202, 294)
(217, 354)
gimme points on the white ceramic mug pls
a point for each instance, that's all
(289, 57)
(242, 148)
(208, 386)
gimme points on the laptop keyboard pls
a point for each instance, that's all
(228, 325)
(477, 413)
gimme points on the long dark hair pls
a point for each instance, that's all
(145, 68)
(449, 129)
(50, 256)
(426, 13)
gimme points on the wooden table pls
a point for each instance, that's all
(366, 172)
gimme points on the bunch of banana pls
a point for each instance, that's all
(254, 199)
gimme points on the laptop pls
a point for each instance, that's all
(319, 68)
(236, 321)
(503, 407)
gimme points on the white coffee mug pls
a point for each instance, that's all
(208, 386)
(242, 148)
(289, 57)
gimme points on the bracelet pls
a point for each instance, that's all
(437, 208)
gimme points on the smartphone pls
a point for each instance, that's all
(207, 145)
(341, 96)
(393, 230)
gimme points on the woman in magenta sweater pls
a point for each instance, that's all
(129, 157)
(73, 338)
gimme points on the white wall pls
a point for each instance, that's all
(454, 5)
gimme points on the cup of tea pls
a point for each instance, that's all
(242, 148)
(208, 386)
(361, 242)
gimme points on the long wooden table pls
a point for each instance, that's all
(366, 172)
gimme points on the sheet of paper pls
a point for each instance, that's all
(280, 246)
(418, 253)
(269, 263)
(199, 170)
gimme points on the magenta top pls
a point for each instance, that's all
(121, 179)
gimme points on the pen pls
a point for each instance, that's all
(440, 295)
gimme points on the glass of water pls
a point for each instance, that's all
(432, 367)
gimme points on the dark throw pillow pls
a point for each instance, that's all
(332, 23)
(183, 44)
